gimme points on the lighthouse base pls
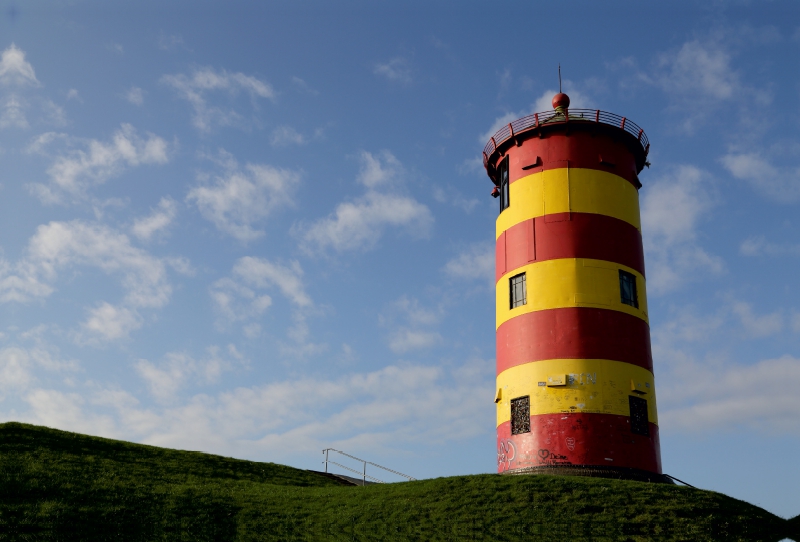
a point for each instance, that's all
(594, 471)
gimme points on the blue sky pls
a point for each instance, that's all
(260, 230)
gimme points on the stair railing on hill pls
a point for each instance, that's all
(363, 472)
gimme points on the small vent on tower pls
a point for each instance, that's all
(533, 164)
(639, 422)
(521, 415)
(606, 161)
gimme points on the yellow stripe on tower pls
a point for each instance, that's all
(592, 386)
(566, 190)
(570, 282)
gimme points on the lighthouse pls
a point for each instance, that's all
(575, 390)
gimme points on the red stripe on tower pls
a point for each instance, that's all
(578, 235)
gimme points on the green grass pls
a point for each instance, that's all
(56, 485)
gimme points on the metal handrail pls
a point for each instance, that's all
(363, 473)
(548, 118)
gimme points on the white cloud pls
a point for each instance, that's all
(476, 262)
(21, 282)
(796, 322)
(20, 366)
(759, 246)
(415, 313)
(301, 345)
(239, 298)
(108, 323)
(135, 95)
(261, 273)
(674, 204)
(195, 87)
(178, 369)
(18, 76)
(403, 340)
(391, 404)
(757, 326)
(239, 199)
(780, 184)
(170, 42)
(672, 207)
(72, 94)
(54, 114)
(144, 228)
(370, 412)
(180, 265)
(302, 85)
(453, 197)
(381, 169)
(236, 302)
(15, 370)
(397, 69)
(577, 98)
(504, 120)
(699, 79)
(15, 70)
(13, 114)
(689, 327)
(164, 382)
(359, 224)
(761, 397)
(286, 135)
(753, 246)
(53, 408)
(60, 245)
(73, 173)
(417, 333)
(698, 69)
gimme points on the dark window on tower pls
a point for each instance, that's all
(521, 415)
(518, 290)
(627, 289)
(502, 176)
(639, 421)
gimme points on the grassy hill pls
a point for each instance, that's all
(56, 485)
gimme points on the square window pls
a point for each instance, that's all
(627, 289)
(521, 415)
(519, 292)
(502, 174)
(639, 421)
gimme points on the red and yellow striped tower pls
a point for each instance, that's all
(575, 389)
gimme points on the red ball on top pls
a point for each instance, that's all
(560, 100)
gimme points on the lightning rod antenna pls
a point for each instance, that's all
(559, 77)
